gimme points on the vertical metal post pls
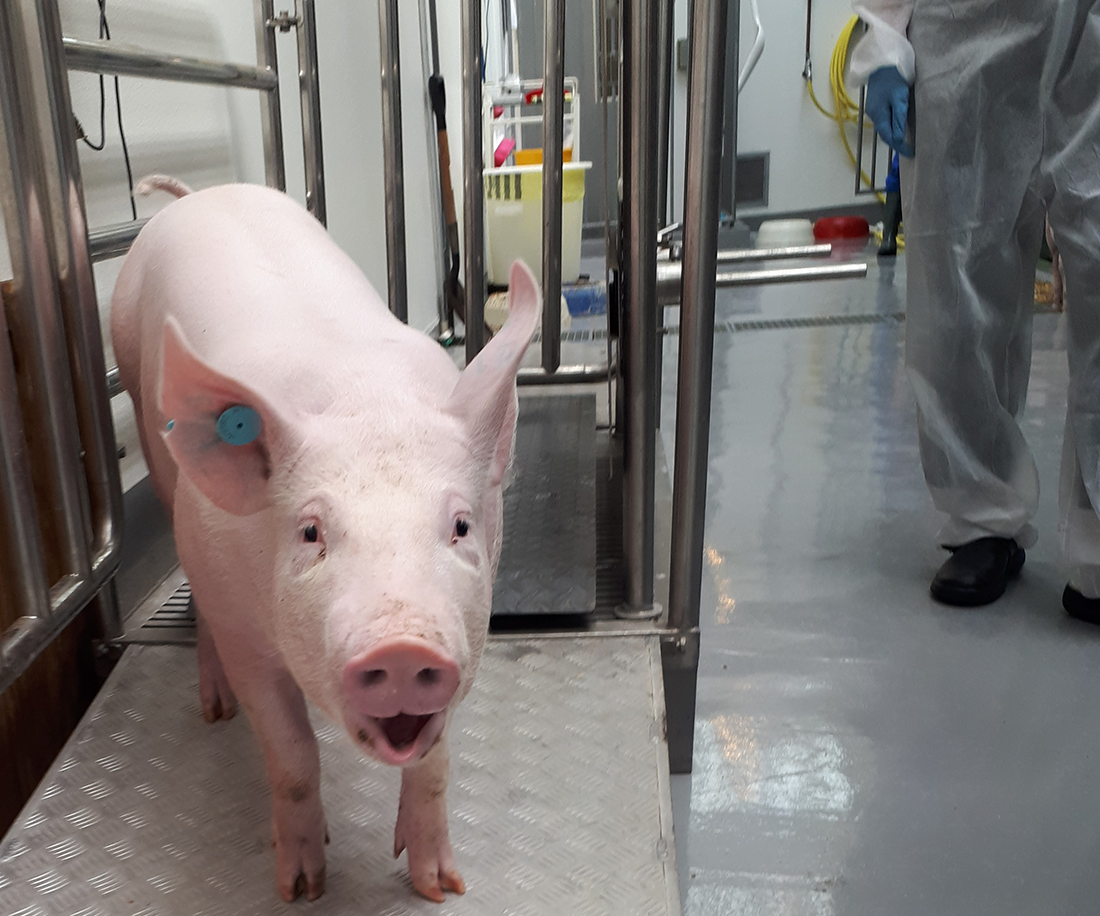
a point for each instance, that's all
(639, 328)
(39, 337)
(310, 90)
(859, 138)
(680, 654)
(394, 161)
(665, 9)
(80, 311)
(22, 570)
(271, 111)
(473, 192)
(727, 195)
(553, 109)
(429, 57)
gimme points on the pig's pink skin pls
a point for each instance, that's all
(236, 295)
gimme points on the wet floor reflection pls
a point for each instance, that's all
(859, 749)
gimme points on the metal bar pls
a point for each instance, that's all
(393, 156)
(727, 194)
(665, 45)
(639, 329)
(742, 255)
(874, 160)
(553, 112)
(669, 277)
(473, 192)
(80, 311)
(565, 375)
(429, 54)
(310, 87)
(117, 59)
(39, 339)
(22, 569)
(738, 255)
(859, 140)
(113, 241)
(703, 174)
(271, 108)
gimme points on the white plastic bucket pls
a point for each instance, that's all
(513, 219)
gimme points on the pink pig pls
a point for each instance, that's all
(342, 533)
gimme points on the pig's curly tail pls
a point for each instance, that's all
(151, 183)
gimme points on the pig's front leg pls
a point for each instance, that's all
(218, 701)
(277, 711)
(422, 826)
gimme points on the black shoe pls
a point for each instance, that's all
(977, 573)
(1079, 607)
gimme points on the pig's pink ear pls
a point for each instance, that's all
(485, 396)
(193, 398)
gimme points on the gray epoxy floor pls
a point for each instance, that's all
(860, 750)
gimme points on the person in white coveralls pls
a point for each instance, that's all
(995, 108)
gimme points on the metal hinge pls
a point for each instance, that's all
(284, 22)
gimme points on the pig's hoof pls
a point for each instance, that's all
(294, 880)
(218, 700)
(432, 886)
(433, 871)
(218, 703)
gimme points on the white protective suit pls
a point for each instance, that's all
(1006, 129)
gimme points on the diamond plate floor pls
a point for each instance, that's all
(548, 563)
(559, 799)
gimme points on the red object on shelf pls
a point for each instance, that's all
(498, 110)
(532, 95)
(503, 151)
(841, 227)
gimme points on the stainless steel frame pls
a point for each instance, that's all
(113, 58)
(54, 321)
(706, 88)
(670, 273)
(113, 241)
(271, 108)
(553, 108)
(117, 59)
(310, 93)
(393, 158)
(57, 333)
(473, 191)
(639, 323)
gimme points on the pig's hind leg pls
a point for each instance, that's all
(218, 700)
(422, 826)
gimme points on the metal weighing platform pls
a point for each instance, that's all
(559, 800)
(548, 562)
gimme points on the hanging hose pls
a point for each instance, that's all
(846, 108)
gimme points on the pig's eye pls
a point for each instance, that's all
(462, 528)
(309, 534)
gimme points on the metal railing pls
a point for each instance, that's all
(54, 325)
(53, 316)
(115, 58)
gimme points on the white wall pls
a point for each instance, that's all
(809, 167)
(208, 135)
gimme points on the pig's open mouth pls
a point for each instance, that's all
(402, 730)
(401, 739)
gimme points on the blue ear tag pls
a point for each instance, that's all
(171, 423)
(239, 425)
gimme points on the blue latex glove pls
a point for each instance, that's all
(888, 106)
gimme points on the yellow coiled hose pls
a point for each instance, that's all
(847, 108)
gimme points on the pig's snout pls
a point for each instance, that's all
(401, 676)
